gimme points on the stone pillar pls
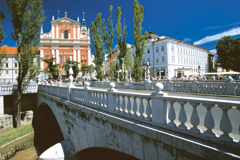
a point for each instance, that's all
(230, 86)
(78, 31)
(169, 85)
(74, 55)
(74, 32)
(78, 57)
(53, 55)
(117, 85)
(56, 31)
(159, 106)
(57, 56)
(195, 88)
(87, 84)
(41, 56)
(69, 36)
(111, 98)
(62, 34)
(130, 84)
(1, 106)
(53, 31)
(146, 85)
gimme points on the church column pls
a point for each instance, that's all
(69, 36)
(41, 56)
(57, 56)
(62, 34)
(74, 55)
(53, 55)
(74, 33)
(89, 56)
(79, 57)
(78, 29)
(56, 31)
(52, 31)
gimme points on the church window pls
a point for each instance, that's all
(65, 34)
(61, 59)
(6, 65)
(148, 51)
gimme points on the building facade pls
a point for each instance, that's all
(10, 66)
(67, 39)
(171, 58)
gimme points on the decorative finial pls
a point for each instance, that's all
(65, 13)
(53, 18)
(41, 29)
(78, 19)
(58, 14)
(83, 15)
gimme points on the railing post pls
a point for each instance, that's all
(59, 85)
(195, 88)
(169, 85)
(86, 97)
(146, 85)
(230, 86)
(130, 84)
(117, 84)
(111, 98)
(159, 106)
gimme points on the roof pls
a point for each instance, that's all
(10, 50)
(152, 35)
(65, 20)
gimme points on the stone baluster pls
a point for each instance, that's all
(123, 105)
(209, 122)
(98, 99)
(135, 107)
(195, 119)
(111, 98)
(148, 110)
(225, 125)
(90, 97)
(172, 114)
(117, 103)
(141, 108)
(95, 99)
(129, 106)
(105, 100)
(182, 116)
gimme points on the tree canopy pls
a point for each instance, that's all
(52, 69)
(75, 68)
(228, 51)
(97, 45)
(27, 17)
(139, 39)
(2, 36)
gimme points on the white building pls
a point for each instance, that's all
(174, 58)
(10, 66)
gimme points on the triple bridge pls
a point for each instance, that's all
(143, 126)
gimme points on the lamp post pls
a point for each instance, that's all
(199, 71)
(148, 72)
(130, 77)
(71, 73)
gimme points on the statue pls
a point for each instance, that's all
(117, 66)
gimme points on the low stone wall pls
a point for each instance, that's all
(10, 149)
(6, 121)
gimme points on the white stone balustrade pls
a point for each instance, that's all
(157, 109)
(12, 89)
(188, 86)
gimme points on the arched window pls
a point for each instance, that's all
(65, 34)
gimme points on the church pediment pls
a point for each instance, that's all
(65, 20)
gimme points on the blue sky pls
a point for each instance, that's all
(199, 22)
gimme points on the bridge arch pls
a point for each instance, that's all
(47, 131)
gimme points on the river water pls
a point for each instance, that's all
(27, 154)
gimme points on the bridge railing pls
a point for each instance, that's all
(12, 89)
(161, 110)
(221, 87)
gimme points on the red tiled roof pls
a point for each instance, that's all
(10, 50)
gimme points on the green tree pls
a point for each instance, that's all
(108, 32)
(112, 69)
(121, 36)
(139, 39)
(128, 61)
(97, 45)
(52, 69)
(228, 51)
(87, 69)
(75, 68)
(2, 36)
(27, 17)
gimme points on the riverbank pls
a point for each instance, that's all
(13, 140)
